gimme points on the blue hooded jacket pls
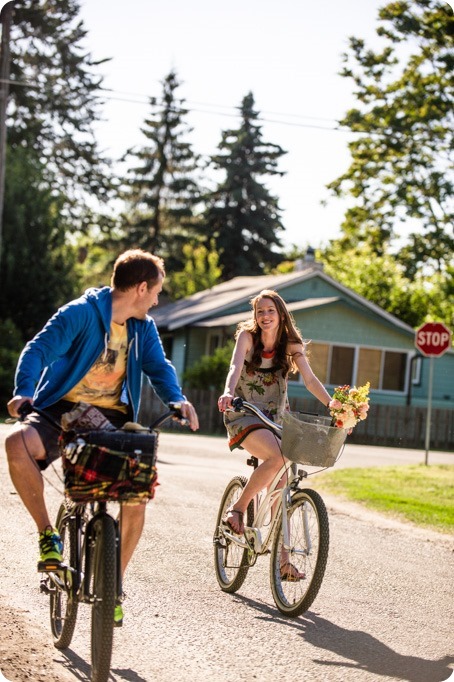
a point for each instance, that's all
(61, 354)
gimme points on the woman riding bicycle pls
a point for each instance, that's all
(268, 347)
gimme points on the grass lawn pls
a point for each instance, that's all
(418, 493)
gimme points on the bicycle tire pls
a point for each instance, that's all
(64, 603)
(309, 545)
(231, 562)
(103, 584)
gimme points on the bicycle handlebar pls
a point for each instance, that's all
(174, 412)
(240, 405)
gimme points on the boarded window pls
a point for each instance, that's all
(369, 364)
(394, 369)
(341, 365)
(318, 356)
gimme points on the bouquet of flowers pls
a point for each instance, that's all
(349, 405)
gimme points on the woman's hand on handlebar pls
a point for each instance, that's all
(225, 402)
(16, 403)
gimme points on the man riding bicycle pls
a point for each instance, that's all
(93, 350)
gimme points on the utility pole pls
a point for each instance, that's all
(6, 17)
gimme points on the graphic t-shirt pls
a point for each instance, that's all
(101, 386)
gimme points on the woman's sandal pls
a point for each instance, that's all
(227, 520)
(290, 573)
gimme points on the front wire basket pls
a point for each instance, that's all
(310, 439)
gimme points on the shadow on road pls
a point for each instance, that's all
(363, 651)
(81, 670)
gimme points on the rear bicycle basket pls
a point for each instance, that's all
(310, 439)
(110, 466)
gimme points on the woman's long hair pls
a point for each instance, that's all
(286, 333)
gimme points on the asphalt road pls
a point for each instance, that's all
(384, 611)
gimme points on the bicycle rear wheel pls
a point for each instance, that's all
(231, 561)
(103, 590)
(308, 528)
(63, 602)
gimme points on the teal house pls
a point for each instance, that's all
(351, 340)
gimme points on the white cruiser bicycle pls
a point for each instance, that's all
(290, 521)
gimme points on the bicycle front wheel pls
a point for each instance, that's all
(63, 602)
(230, 560)
(306, 551)
(103, 582)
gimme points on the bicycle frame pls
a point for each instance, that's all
(78, 584)
(275, 499)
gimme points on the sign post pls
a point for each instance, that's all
(432, 340)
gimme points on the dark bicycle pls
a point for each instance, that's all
(121, 465)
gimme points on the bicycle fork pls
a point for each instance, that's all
(286, 505)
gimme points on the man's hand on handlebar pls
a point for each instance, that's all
(187, 411)
(16, 403)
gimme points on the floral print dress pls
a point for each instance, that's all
(266, 388)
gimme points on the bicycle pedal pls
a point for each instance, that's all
(51, 566)
(253, 538)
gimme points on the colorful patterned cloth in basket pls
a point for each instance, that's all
(110, 465)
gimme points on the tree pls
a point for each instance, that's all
(53, 169)
(37, 272)
(381, 279)
(210, 371)
(201, 271)
(54, 101)
(400, 170)
(162, 191)
(241, 214)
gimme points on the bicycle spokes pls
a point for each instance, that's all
(298, 562)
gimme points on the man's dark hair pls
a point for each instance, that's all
(135, 266)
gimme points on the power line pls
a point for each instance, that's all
(217, 109)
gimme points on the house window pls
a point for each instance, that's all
(213, 342)
(394, 368)
(341, 370)
(318, 356)
(339, 365)
(416, 365)
(369, 367)
(167, 343)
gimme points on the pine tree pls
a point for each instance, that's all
(162, 190)
(54, 101)
(241, 214)
(53, 166)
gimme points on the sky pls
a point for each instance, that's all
(286, 52)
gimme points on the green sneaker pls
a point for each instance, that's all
(50, 549)
(118, 615)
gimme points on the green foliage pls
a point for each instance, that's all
(161, 191)
(211, 370)
(201, 271)
(10, 348)
(37, 273)
(381, 279)
(241, 214)
(56, 102)
(400, 172)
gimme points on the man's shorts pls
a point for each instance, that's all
(49, 432)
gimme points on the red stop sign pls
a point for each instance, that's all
(433, 339)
